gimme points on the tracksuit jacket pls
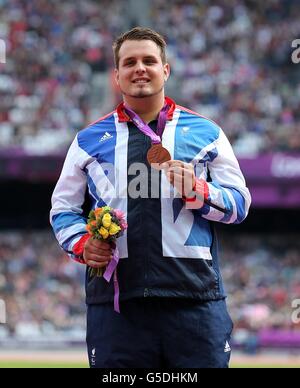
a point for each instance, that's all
(169, 249)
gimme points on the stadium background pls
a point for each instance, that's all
(231, 61)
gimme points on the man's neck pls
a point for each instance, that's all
(147, 108)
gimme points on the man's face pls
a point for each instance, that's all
(141, 72)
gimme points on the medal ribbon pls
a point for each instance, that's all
(112, 270)
(144, 127)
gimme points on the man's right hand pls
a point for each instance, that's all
(97, 254)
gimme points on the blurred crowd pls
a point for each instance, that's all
(231, 61)
(44, 290)
(53, 50)
(262, 278)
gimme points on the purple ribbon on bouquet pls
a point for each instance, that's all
(112, 270)
(144, 127)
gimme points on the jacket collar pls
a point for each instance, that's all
(123, 117)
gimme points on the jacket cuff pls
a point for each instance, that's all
(201, 188)
(79, 247)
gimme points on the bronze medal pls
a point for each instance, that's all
(157, 154)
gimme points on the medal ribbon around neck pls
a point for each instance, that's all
(157, 154)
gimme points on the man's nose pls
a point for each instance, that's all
(140, 67)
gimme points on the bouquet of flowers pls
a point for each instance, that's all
(105, 224)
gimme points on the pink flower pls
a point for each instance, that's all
(123, 225)
(119, 214)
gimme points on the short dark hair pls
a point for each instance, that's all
(140, 33)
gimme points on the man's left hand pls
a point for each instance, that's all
(181, 175)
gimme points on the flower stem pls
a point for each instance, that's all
(100, 272)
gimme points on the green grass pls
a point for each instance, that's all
(41, 364)
(44, 364)
(266, 366)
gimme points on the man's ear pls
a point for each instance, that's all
(167, 71)
(117, 76)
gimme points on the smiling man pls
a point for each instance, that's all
(141, 73)
(172, 303)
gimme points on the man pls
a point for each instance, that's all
(172, 302)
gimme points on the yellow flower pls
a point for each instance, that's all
(106, 220)
(114, 229)
(104, 233)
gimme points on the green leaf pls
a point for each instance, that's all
(92, 216)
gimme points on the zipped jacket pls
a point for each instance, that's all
(169, 249)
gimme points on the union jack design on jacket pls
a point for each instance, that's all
(168, 250)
